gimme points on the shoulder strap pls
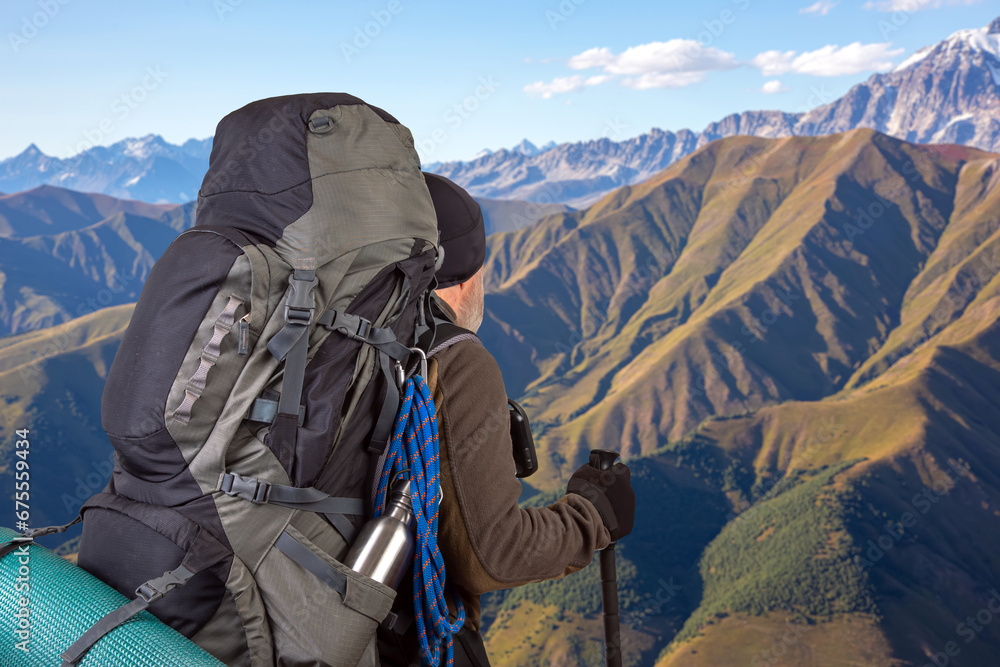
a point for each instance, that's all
(447, 335)
(435, 330)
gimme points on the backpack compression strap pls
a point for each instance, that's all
(291, 345)
(28, 536)
(310, 499)
(203, 551)
(390, 352)
(279, 413)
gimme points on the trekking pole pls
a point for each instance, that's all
(603, 459)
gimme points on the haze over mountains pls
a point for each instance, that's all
(148, 169)
(64, 253)
(948, 92)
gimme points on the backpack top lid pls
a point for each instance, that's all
(315, 176)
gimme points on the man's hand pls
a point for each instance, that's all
(611, 493)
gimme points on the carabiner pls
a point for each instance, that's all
(400, 376)
(423, 362)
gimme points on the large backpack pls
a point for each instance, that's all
(257, 384)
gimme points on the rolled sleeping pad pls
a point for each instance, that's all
(63, 602)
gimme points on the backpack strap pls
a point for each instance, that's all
(146, 594)
(434, 326)
(29, 536)
(291, 345)
(288, 413)
(390, 353)
(448, 334)
(442, 335)
(310, 499)
(203, 552)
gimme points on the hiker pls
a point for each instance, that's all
(260, 396)
(487, 541)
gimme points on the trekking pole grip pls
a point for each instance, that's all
(603, 459)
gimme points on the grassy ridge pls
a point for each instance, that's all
(752, 273)
(51, 384)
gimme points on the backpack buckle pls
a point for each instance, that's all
(154, 589)
(300, 307)
(248, 488)
(354, 327)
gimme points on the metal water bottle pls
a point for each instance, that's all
(383, 549)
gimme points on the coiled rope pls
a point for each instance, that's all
(415, 446)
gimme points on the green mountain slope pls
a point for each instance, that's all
(743, 276)
(51, 383)
(814, 332)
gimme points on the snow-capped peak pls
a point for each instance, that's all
(978, 39)
(32, 151)
(526, 148)
(142, 147)
(917, 56)
(985, 40)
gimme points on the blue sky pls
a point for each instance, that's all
(462, 76)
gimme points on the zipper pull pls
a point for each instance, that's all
(243, 345)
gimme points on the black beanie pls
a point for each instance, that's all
(461, 228)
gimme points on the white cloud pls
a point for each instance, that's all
(822, 7)
(563, 84)
(774, 63)
(663, 80)
(672, 64)
(912, 6)
(830, 60)
(773, 86)
(595, 57)
(676, 55)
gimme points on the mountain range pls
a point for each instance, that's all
(64, 253)
(945, 93)
(795, 343)
(803, 330)
(147, 169)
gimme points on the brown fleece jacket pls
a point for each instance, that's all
(487, 541)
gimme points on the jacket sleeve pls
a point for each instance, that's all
(487, 541)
